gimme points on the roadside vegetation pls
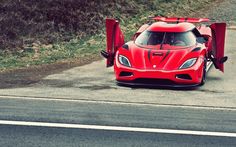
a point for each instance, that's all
(36, 32)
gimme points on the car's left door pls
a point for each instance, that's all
(114, 38)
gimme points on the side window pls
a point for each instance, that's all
(189, 38)
(200, 38)
(142, 39)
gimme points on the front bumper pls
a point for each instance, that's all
(132, 83)
(174, 78)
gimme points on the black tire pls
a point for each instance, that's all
(204, 72)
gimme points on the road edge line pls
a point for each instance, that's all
(117, 128)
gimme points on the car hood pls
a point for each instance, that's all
(164, 59)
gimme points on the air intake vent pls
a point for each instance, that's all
(125, 46)
(184, 76)
(126, 74)
(152, 81)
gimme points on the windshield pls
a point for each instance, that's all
(162, 39)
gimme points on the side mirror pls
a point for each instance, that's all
(224, 59)
(104, 54)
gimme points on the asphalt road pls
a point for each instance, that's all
(57, 137)
(115, 114)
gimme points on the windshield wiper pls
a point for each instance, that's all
(163, 41)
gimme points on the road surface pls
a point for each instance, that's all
(63, 123)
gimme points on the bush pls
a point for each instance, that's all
(22, 22)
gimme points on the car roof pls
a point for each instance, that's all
(171, 27)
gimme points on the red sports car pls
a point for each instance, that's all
(166, 52)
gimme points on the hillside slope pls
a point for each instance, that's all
(63, 29)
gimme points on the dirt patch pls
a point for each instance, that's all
(97, 87)
(26, 76)
(210, 91)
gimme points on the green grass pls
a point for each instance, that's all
(78, 47)
(61, 51)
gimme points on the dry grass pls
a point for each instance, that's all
(23, 22)
(47, 31)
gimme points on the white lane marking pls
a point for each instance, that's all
(119, 103)
(116, 128)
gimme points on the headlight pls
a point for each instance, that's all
(188, 63)
(124, 61)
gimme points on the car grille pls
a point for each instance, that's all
(153, 81)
